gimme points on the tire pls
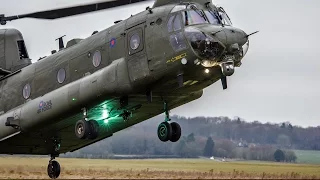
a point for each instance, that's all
(176, 132)
(82, 129)
(164, 131)
(53, 170)
(94, 129)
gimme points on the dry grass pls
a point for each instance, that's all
(35, 168)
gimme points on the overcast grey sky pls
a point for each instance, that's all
(279, 80)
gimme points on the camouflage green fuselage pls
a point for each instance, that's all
(53, 108)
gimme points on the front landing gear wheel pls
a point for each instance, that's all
(176, 132)
(164, 131)
(82, 129)
(53, 169)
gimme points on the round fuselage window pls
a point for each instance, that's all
(26, 91)
(134, 41)
(61, 75)
(96, 60)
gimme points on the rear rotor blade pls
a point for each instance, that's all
(71, 11)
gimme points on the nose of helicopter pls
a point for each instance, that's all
(235, 36)
(211, 41)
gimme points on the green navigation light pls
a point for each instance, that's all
(105, 114)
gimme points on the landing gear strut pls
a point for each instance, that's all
(53, 168)
(167, 131)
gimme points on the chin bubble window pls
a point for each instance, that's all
(61, 76)
(26, 92)
(177, 41)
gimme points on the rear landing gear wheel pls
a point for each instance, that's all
(94, 128)
(164, 131)
(176, 132)
(53, 169)
(82, 129)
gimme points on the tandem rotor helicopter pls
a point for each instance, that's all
(136, 69)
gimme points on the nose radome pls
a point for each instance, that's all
(235, 36)
(214, 31)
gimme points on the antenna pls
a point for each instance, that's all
(61, 44)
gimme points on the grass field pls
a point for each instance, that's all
(35, 168)
(310, 157)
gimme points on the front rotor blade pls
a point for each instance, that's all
(71, 11)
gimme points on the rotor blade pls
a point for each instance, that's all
(224, 82)
(71, 11)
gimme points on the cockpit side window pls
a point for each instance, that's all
(174, 23)
(224, 17)
(170, 22)
(176, 37)
(177, 23)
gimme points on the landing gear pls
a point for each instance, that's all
(176, 132)
(87, 129)
(167, 131)
(94, 127)
(53, 168)
(164, 131)
(82, 129)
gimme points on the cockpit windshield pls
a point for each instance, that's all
(191, 17)
(213, 17)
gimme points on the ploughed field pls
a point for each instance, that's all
(36, 168)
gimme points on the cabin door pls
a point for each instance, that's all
(137, 58)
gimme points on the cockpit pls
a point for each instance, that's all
(188, 20)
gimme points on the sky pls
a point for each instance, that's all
(279, 80)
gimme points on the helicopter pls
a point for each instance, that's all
(140, 67)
